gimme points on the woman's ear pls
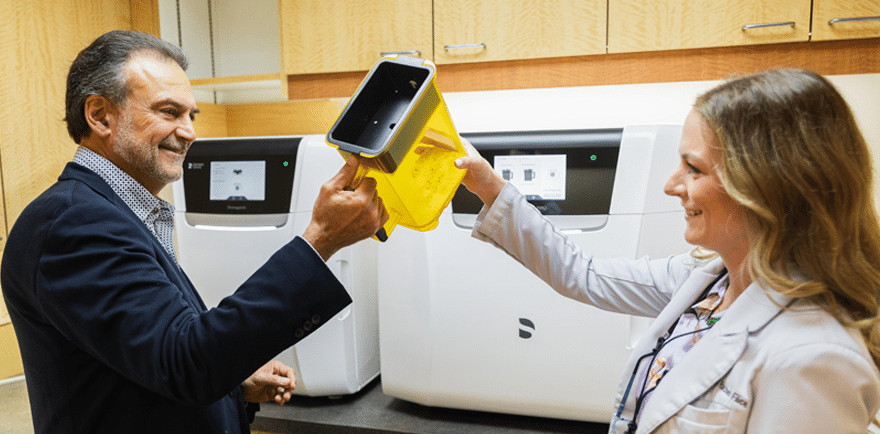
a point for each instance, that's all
(101, 115)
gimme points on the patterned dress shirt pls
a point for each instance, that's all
(157, 214)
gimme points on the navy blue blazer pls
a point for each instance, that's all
(113, 336)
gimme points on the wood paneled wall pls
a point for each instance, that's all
(268, 119)
(145, 16)
(38, 41)
(284, 118)
(211, 121)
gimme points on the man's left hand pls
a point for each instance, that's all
(275, 381)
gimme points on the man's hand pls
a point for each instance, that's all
(275, 381)
(341, 216)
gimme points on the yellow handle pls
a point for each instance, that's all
(358, 178)
(393, 217)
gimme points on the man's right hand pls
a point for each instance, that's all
(341, 216)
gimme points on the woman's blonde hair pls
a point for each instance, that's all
(792, 154)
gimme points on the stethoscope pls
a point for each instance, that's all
(661, 342)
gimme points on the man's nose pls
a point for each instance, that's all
(186, 131)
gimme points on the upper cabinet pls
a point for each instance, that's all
(648, 25)
(478, 31)
(845, 19)
(320, 36)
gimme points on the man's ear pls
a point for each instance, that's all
(101, 115)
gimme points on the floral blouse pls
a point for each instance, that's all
(691, 327)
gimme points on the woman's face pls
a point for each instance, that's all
(714, 220)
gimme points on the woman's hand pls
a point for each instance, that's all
(481, 179)
(275, 381)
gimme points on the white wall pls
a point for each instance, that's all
(620, 105)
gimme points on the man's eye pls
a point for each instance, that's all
(692, 169)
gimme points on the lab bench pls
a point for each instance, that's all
(371, 411)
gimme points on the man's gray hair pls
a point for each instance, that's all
(99, 69)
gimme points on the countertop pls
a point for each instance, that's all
(371, 411)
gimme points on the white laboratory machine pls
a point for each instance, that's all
(463, 325)
(240, 200)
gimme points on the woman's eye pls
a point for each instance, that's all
(692, 169)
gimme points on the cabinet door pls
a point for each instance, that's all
(319, 36)
(478, 31)
(845, 19)
(646, 25)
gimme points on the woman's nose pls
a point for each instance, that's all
(673, 185)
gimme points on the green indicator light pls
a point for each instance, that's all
(593, 157)
(285, 164)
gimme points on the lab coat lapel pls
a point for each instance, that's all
(683, 299)
(705, 365)
(713, 357)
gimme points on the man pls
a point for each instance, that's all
(113, 336)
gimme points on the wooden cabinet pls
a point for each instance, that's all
(845, 19)
(344, 36)
(319, 36)
(648, 25)
(476, 31)
(495, 44)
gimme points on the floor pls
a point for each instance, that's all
(15, 412)
(15, 415)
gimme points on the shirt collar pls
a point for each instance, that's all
(135, 195)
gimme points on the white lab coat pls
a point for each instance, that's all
(761, 369)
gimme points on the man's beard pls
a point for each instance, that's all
(144, 157)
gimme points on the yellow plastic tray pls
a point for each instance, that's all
(399, 127)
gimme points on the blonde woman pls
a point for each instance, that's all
(775, 330)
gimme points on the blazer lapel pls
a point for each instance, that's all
(74, 171)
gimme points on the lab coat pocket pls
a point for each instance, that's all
(696, 420)
(718, 411)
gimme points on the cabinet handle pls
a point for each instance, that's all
(852, 20)
(391, 53)
(460, 46)
(758, 26)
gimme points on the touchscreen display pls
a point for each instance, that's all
(248, 175)
(537, 177)
(560, 172)
(238, 180)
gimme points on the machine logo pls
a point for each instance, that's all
(525, 332)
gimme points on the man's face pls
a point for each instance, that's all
(155, 127)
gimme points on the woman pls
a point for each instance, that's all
(776, 330)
